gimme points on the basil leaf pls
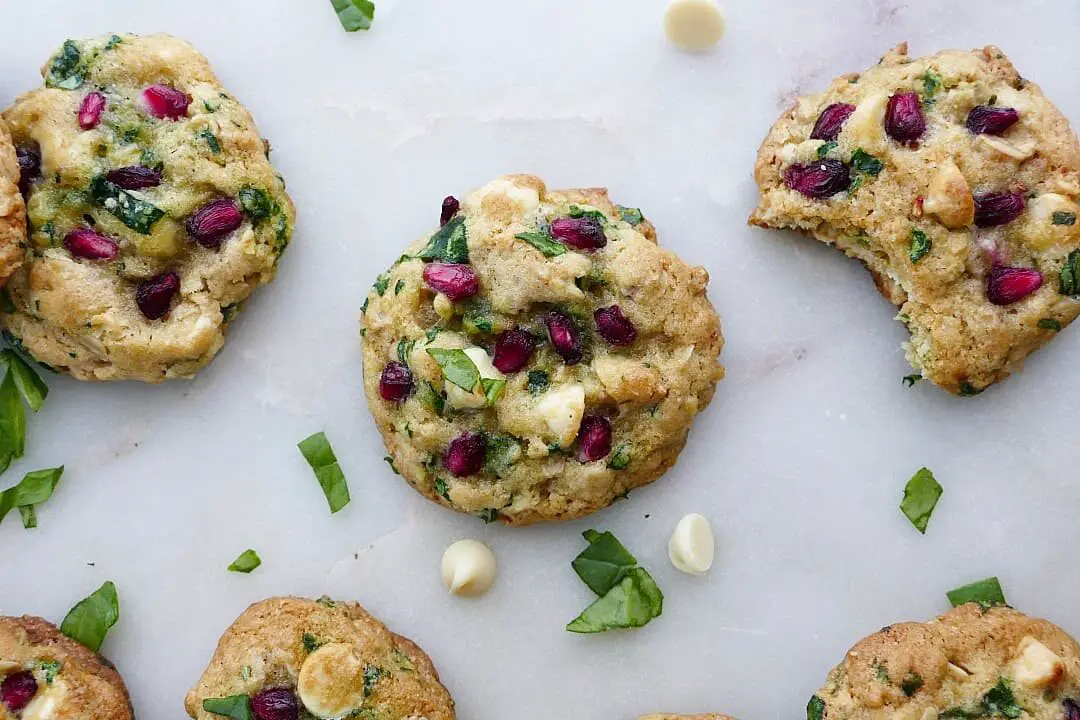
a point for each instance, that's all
(920, 496)
(543, 242)
(538, 381)
(493, 389)
(825, 148)
(576, 211)
(1049, 324)
(631, 215)
(32, 388)
(372, 675)
(89, 621)
(457, 367)
(50, 669)
(999, 701)
(604, 563)
(920, 245)
(866, 163)
(620, 457)
(633, 602)
(500, 452)
(248, 561)
(211, 140)
(137, 214)
(12, 422)
(986, 592)
(320, 456)
(815, 709)
(448, 244)
(1063, 218)
(237, 707)
(35, 488)
(1070, 275)
(65, 71)
(256, 203)
(354, 14)
(381, 283)
(931, 82)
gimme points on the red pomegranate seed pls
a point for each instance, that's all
(993, 209)
(831, 121)
(583, 233)
(904, 120)
(275, 704)
(453, 280)
(134, 177)
(1006, 285)
(90, 110)
(991, 119)
(614, 327)
(450, 207)
(513, 350)
(162, 101)
(86, 244)
(465, 456)
(564, 337)
(18, 690)
(395, 382)
(820, 179)
(594, 437)
(29, 166)
(212, 222)
(154, 296)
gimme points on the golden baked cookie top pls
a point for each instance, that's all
(44, 674)
(971, 662)
(153, 210)
(956, 182)
(539, 355)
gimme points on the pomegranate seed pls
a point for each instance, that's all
(465, 456)
(564, 337)
(213, 221)
(830, 121)
(904, 121)
(275, 704)
(820, 179)
(594, 437)
(513, 350)
(29, 166)
(584, 233)
(1006, 285)
(453, 280)
(90, 110)
(450, 206)
(395, 382)
(991, 119)
(87, 244)
(18, 690)
(1072, 709)
(162, 101)
(155, 295)
(134, 177)
(993, 209)
(614, 327)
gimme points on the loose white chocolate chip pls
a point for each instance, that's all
(692, 547)
(694, 24)
(468, 568)
(331, 681)
(444, 307)
(1037, 666)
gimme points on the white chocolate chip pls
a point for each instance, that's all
(958, 672)
(1021, 150)
(468, 568)
(866, 126)
(464, 400)
(562, 409)
(45, 704)
(331, 681)
(692, 547)
(694, 24)
(444, 307)
(949, 197)
(1037, 666)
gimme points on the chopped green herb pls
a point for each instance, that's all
(89, 621)
(114, 40)
(825, 148)
(372, 674)
(576, 211)
(207, 135)
(432, 398)
(432, 334)
(620, 457)
(1050, 324)
(920, 245)
(363, 308)
(326, 601)
(910, 380)
(30, 386)
(320, 456)
(50, 669)
(448, 244)
(442, 489)
(381, 283)
(986, 592)
(137, 214)
(35, 488)
(631, 215)
(257, 203)
(911, 683)
(815, 709)
(477, 317)
(390, 461)
(538, 381)
(969, 390)
(493, 389)
(866, 163)
(310, 642)
(404, 350)
(543, 242)
(66, 70)
(999, 701)
(881, 672)
(920, 496)
(248, 561)
(237, 707)
(856, 183)
(931, 83)
(488, 515)
(593, 280)
(1063, 218)
(633, 602)
(399, 286)
(604, 563)
(354, 14)
(457, 367)
(245, 672)
(1070, 275)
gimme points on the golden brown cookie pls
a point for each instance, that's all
(957, 183)
(45, 674)
(330, 659)
(971, 662)
(538, 356)
(12, 209)
(154, 211)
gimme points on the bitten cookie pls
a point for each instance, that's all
(956, 182)
(539, 355)
(969, 663)
(285, 657)
(44, 674)
(12, 209)
(154, 211)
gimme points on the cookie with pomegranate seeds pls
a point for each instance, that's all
(539, 355)
(957, 183)
(154, 211)
(289, 657)
(971, 662)
(45, 674)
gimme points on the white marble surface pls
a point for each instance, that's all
(799, 463)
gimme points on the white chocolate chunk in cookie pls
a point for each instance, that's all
(866, 127)
(562, 409)
(1017, 151)
(465, 400)
(443, 306)
(626, 379)
(468, 568)
(331, 681)
(1051, 220)
(949, 197)
(1037, 665)
(694, 24)
(46, 703)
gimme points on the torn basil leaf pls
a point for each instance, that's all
(457, 367)
(866, 163)
(137, 214)
(35, 488)
(320, 456)
(815, 709)
(633, 602)
(576, 211)
(12, 422)
(449, 244)
(256, 203)
(538, 381)
(920, 497)
(985, 592)
(246, 562)
(500, 452)
(354, 14)
(920, 245)
(631, 215)
(620, 457)
(1050, 324)
(29, 384)
(1063, 218)
(237, 707)
(1070, 275)
(604, 563)
(543, 242)
(910, 380)
(90, 620)
(824, 149)
(66, 69)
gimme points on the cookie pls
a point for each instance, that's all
(153, 211)
(12, 209)
(956, 182)
(539, 356)
(970, 662)
(45, 674)
(332, 659)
